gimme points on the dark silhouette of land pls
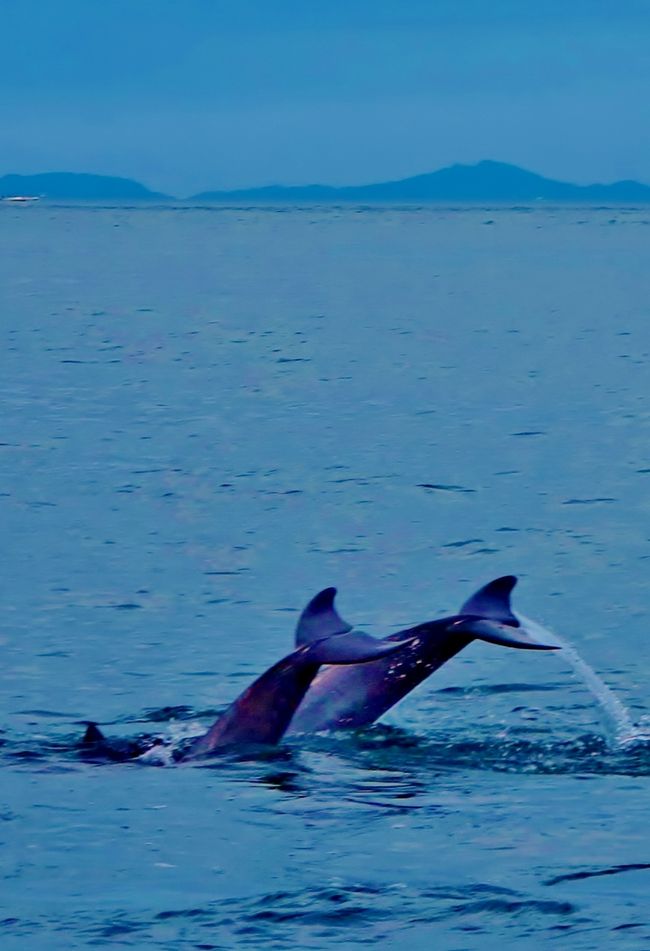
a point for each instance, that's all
(73, 186)
(486, 181)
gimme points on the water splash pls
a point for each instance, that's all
(166, 753)
(623, 732)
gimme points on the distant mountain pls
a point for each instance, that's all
(70, 186)
(484, 182)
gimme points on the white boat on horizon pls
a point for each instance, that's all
(20, 199)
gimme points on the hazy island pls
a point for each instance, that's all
(77, 186)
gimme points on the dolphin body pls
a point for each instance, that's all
(262, 713)
(356, 696)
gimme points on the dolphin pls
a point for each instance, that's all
(357, 695)
(262, 713)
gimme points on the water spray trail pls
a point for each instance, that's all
(617, 717)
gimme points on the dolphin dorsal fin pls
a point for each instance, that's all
(493, 601)
(92, 735)
(320, 619)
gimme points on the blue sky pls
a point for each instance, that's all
(192, 94)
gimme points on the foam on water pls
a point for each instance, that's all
(166, 753)
(622, 731)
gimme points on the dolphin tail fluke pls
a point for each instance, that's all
(320, 619)
(331, 640)
(493, 601)
(353, 647)
(494, 632)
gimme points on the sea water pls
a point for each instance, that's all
(208, 414)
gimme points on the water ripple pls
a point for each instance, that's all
(362, 912)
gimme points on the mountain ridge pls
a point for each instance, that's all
(485, 181)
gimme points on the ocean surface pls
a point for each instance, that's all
(208, 414)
